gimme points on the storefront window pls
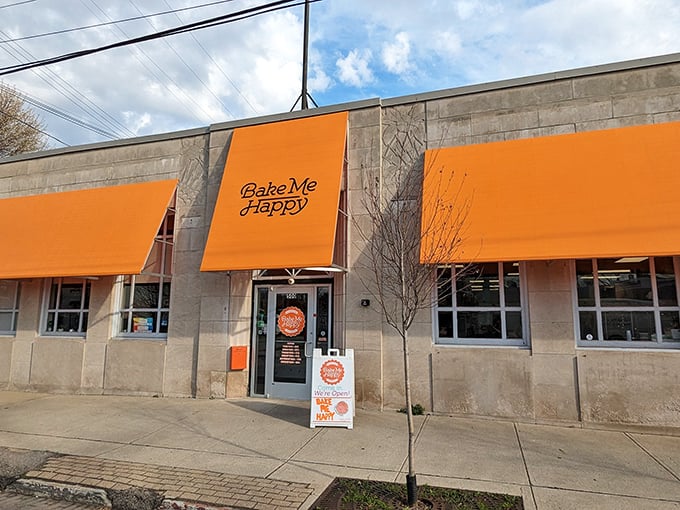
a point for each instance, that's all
(67, 304)
(9, 306)
(145, 298)
(628, 302)
(480, 304)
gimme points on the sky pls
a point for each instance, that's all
(359, 49)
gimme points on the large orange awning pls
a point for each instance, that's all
(603, 193)
(93, 232)
(278, 202)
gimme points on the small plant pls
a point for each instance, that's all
(416, 410)
(355, 494)
(361, 495)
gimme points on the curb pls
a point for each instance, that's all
(92, 496)
(173, 504)
(72, 493)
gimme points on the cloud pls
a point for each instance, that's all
(395, 55)
(319, 81)
(254, 66)
(353, 69)
(447, 43)
(136, 121)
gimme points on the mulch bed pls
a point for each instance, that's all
(355, 494)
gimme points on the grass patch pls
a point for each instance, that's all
(416, 410)
(354, 494)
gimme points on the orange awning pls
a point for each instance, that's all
(278, 203)
(603, 193)
(92, 232)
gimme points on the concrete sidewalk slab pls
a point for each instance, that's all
(665, 449)
(53, 443)
(360, 447)
(482, 450)
(597, 461)
(552, 467)
(230, 429)
(555, 499)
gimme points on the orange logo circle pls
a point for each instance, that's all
(291, 321)
(341, 407)
(332, 372)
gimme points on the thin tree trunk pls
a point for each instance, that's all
(411, 485)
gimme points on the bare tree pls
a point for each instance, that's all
(402, 249)
(20, 128)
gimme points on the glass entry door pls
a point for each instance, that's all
(290, 321)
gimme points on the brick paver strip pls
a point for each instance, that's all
(189, 484)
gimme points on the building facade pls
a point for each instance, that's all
(208, 263)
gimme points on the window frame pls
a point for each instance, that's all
(598, 309)
(82, 310)
(13, 310)
(163, 278)
(523, 342)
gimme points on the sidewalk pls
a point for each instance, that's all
(255, 453)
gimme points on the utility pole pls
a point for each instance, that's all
(304, 95)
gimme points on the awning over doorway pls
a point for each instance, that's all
(604, 193)
(92, 232)
(278, 202)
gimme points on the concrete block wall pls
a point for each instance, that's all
(550, 380)
(100, 362)
(363, 330)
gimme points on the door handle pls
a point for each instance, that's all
(309, 349)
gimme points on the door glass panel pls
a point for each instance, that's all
(290, 363)
(322, 319)
(260, 340)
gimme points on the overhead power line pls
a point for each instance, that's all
(31, 126)
(155, 69)
(188, 66)
(215, 63)
(108, 23)
(67, 117)
(72, 94)
(212, 22)
(16, 3)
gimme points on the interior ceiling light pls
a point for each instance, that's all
(632, 260)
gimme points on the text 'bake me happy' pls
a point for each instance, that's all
(277, 199)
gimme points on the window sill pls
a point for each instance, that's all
(631, 346)
(156, 337)
(482, 343)
(65, 336)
